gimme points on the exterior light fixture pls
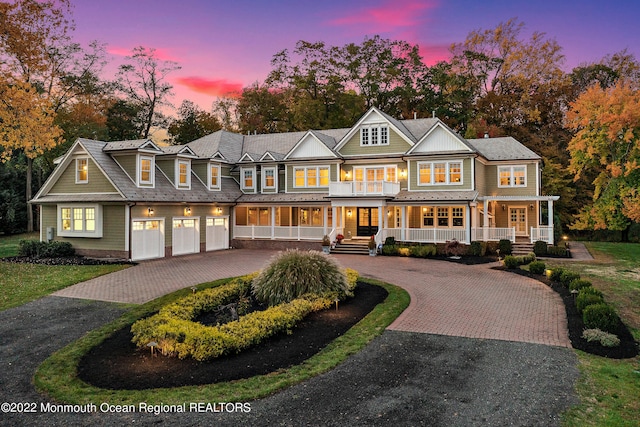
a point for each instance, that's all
(349, 213)
(531, 206)
(504, 207)
(150, 211)
(218, 211)
(187, 211)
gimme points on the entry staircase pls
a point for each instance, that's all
(353, 246)
(522, 246)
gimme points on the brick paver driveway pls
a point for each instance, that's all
(446, 298)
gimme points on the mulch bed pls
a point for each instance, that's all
(628, 346)
(72, 260)
(117, 363)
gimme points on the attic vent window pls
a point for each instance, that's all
(374, 135)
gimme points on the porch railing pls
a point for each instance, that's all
(278, 232)
(544, 233)
(363, 188)
(488, 234)
(425, 235)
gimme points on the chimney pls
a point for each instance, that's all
(433, 114)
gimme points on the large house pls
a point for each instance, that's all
(416, 180)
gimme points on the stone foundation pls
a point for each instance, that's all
(98, 253)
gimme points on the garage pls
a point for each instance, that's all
(147, 239)
(217, 233)
(186, 236)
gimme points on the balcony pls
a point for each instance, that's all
(366, 188)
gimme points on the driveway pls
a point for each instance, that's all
(475, 347)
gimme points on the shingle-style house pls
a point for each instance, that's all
(416, 180)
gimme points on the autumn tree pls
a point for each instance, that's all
(192, 123)
(607, 137)
(144, 81)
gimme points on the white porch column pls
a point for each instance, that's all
(335, 219)
(381, 217)
(550, 202)
(325, 220)
(467, 225)
(273, 222)
(403, 224)
(485, 221)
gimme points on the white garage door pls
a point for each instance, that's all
(217, 233)
(147, 239)
(186, 236)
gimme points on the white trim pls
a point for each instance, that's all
(247, 155)
(439, 124)
(264, 157)
(253, 178)
(356, 128)
(306, 176)
(127, 227)
(378, 127)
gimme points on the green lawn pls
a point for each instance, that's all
(609, 389)
(21, 283)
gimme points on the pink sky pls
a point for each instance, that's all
(225, 46)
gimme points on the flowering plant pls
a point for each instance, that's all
(339, 238)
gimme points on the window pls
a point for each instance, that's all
(214, 177)
(146, 170)
(427, 217)
(269, 178)
(457, 216)
(440, 173)
(374, 135)
(375, 173)
(247, 179)
(79, 221)
(311, 177)
(82, 170)
(443, 217)
(184, 174)
(512, 176)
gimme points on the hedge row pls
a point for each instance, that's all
(512, 262)
(596, 313)
(38, 249)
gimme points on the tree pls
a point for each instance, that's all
(607, 126)
(192, 124)
(143, 81)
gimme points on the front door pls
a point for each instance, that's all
(367, 221)
(518, 219)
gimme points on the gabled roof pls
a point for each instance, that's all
(447, 140)
(182, 150)
(504, 148)
(317, 144)
(226, 144)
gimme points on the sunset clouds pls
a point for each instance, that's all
(213, 87)
(388, 16)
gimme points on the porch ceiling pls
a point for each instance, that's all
(519, 198)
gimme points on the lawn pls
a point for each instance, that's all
(21, 283)
(609, 389)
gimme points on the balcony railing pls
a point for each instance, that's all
(363, 188)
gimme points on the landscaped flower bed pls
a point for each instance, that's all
(174, 331)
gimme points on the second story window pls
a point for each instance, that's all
(311, 177)
(248, 179)
(269, 178)
(82, 170)
(512, 176)
(214, 177)
(146, 170)
(184, 174)
(374, 135)
(440, 173)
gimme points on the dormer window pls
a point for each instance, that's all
(145, 175)
(82, 170)
(248, 178)
(374, 135)
(214, 177)
(269, 178)
(183, 173)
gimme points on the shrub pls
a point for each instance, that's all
(584, 300)
(326, 241)
(528, 258)
(505, 247)
(422, 251)
(390, 250)
(294, 273)
(372, 244)
(601, 316)
(556, 273)
(578, 284)
(592, 291)
(390, 240)
(52, 249)
(567, 277)
(511, 262)
(540, 248)
(537, 267)
(478, 248)
(404, 251)
(454, 248)
(604, 338)
(557, 251)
